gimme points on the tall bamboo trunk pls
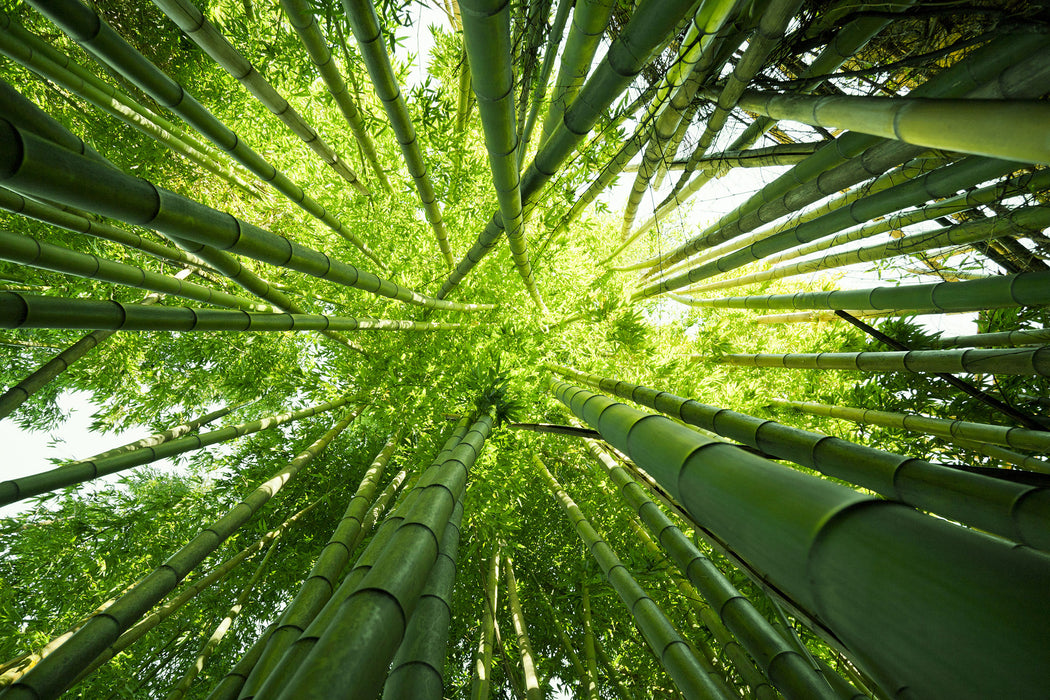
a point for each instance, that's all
(528, 662)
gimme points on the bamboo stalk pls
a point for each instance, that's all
(528, 662)
(482, 680)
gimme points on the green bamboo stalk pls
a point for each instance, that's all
(1005, 68)
(566, 643)
(33, 252)
(1003, 455)
(528, 663)
(550, 53)
(300, 649)
(673, 652)
(482, 680)
(365, 24)
(644, 34)
(417, 670)
(534, 35)
(589, 20)
(30, 51)
(212, 643)
(1025, 289)
(19, 310)
(999, 361)
(1021, 221)
(917, 168)
(71, 221)
(941, 182)
(324, 575)
(1007, 338)
(302, 20)
(77, 472)
(961, 202)
(588, 644)
(21, 392)
(768, 156)
(965, 126)
(36, 166)
(172, 433)
(53, 674)
(486, 33)
(85, 26)
(365, 631)
(769, 32)
(686, 78)
(191, 21)
(610, 670)
(463, 104)
(786, 669)
(1015, 438)
(1011, 510)
(970, 621)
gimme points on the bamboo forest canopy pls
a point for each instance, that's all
(526, 348)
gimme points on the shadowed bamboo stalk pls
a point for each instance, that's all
(302, 20)
(365, 24)
(1003, 455)
(588, 644)
(827, 316)
(19, 310)
(85, 26)
(85, 470)
(1015, 511)
(34, 165)
(647, 30)
(21, 392)
(482, 681)
(521, 632)
(33, 252)
(163, 612)
(323, 578)
(1006, 361)
(366, 629)
(40, 57)
(53, 674)
(553, 44)
(786, 669)
(942, 182)
(1005, 68)
(1015, 438)
(417, 671)
(191, 21)
(1020, 337)
(965, 126)
(301, 647)
(212, 643)
(767, 156)
(1018, 222)
(1025, 289)
(589, 20)
(672, 651)
(486, 33)
(968, 624)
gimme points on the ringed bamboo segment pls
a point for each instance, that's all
(647, 30)
(366, 630)
(87, 28)
(191, 21)
(1012, 510)
(854, 560)
(784, 667)
(34, 165)
(550, 53)
(55, 672)
(528, 659)
(486, 33)
(323, 577)
(482, 681)
(92, 468)
(966, 126)
(365, 24)
(300, 649)
(305, 25)
(1021, 337)
(671, 650)
(1025, 289)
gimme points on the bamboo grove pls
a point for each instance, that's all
(525, 349)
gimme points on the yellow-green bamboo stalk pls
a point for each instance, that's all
(191, 21)
(966, 126)
(528, 663)
(482, 680)
(53, 674)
